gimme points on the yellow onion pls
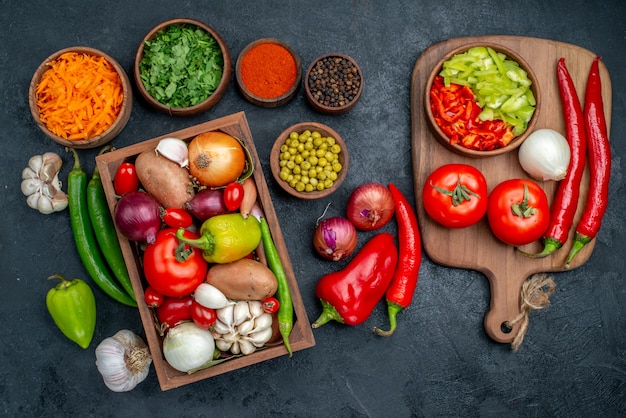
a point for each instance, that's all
(216, 158)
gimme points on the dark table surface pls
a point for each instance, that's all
(440, 362)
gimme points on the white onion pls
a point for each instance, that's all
(187, 347)
(545, 155)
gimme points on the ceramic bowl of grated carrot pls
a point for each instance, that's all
(80, 97)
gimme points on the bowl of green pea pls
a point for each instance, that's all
(309, 160)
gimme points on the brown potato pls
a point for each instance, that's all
(243, 279)
(167, 181)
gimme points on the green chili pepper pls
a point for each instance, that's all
(72, 306)
(285, 309)
(225, 238)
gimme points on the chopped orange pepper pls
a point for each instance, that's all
(79, 96)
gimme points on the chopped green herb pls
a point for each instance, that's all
(181, 66)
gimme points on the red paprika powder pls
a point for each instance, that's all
(268, 70)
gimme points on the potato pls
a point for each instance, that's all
(164, 179)
(243, 279)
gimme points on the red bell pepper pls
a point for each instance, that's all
(350, 295)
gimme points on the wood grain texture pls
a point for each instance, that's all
(475, 247)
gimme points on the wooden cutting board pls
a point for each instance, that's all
(475, 247)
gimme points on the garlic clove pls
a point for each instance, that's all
(30, 186)
(225, 315)
(174, 149)
(245, 327)
(44, 205)
(246, 347)
(241, 312)
(258, 339)
(256, 308)
(60, 202)
(51, 164)
(33, 200)
(28, 173)
(222, 345)
(35, 162)
(221, 328)
(262, 322)
(235, 349)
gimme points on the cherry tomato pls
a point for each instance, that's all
(177, 218)
(270, 305)
(153, 298)
(173, 270)
(518, 211)
(125, 179)
(202, 316)
(173, 311)
(455, 195)
(233, 195)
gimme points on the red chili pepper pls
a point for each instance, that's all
(599, 163)
(349, 296)
(568, 191)
(400, 292)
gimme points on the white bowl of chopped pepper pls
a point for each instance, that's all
(182, 67)
(333, 83)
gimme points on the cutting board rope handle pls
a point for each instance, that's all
(535, 294)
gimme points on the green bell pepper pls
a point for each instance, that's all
(225, 238)
(72, 306)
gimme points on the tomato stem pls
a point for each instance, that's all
(523, 209)
(461, 193)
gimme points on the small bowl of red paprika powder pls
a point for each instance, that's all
(268, 72)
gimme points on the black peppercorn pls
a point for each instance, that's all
(334, 81)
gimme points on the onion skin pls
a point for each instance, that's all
(216, 158)
(138, 216)
(207, 203)
(335, 238)
(370, 206)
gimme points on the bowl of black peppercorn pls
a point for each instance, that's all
(333, 83)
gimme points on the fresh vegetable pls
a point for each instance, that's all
(171, 268)
(84, 236)
(518, 211)
(207, 203)
(270, 305)
(349, 296)
(72, 306)
(216, 158)
(202, 316)
(243, 279)
(79, 96)
(250, 194)
(181, 66)
(225, 238)
(599, 163)
(123, 360)
(242, 328)
(175, 150)
(335, 238)
(104, 230)
(41, 185)
(174, 311)
(399, 294)
(137, 216)
(176, 218)
(153, 298)
(455, 195)
(370, 206)
(545, 155)
(210, 296)
(125, 179)
(233, 195)
(567, 193)
(186, 347)
(165, 180)
(285, 310)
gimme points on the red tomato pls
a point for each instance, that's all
(518, 211)
(125, 179)
(153, 298)
(270, 305)
(202, 316)
(455, 195)
(233, 195)
(177, 218)
(173, 311)
(173, 270)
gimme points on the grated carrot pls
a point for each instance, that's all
(79, 96)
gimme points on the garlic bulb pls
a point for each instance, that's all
(174, 149)
(123, 360)
(41, 185)
(242, 328)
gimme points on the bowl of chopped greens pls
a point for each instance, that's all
(182, 67)
(482, 100)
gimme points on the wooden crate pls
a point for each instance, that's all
(301, 336)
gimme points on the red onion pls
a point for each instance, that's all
(138, 216)
(370, 206)
(335, 238)
(207, 203)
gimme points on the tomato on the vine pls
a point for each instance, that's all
(455, 195)
(177, 218)
(171, 268)
(233, 195)
(270, 305)
(202, 316)
(125, 179)
(518, 211)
